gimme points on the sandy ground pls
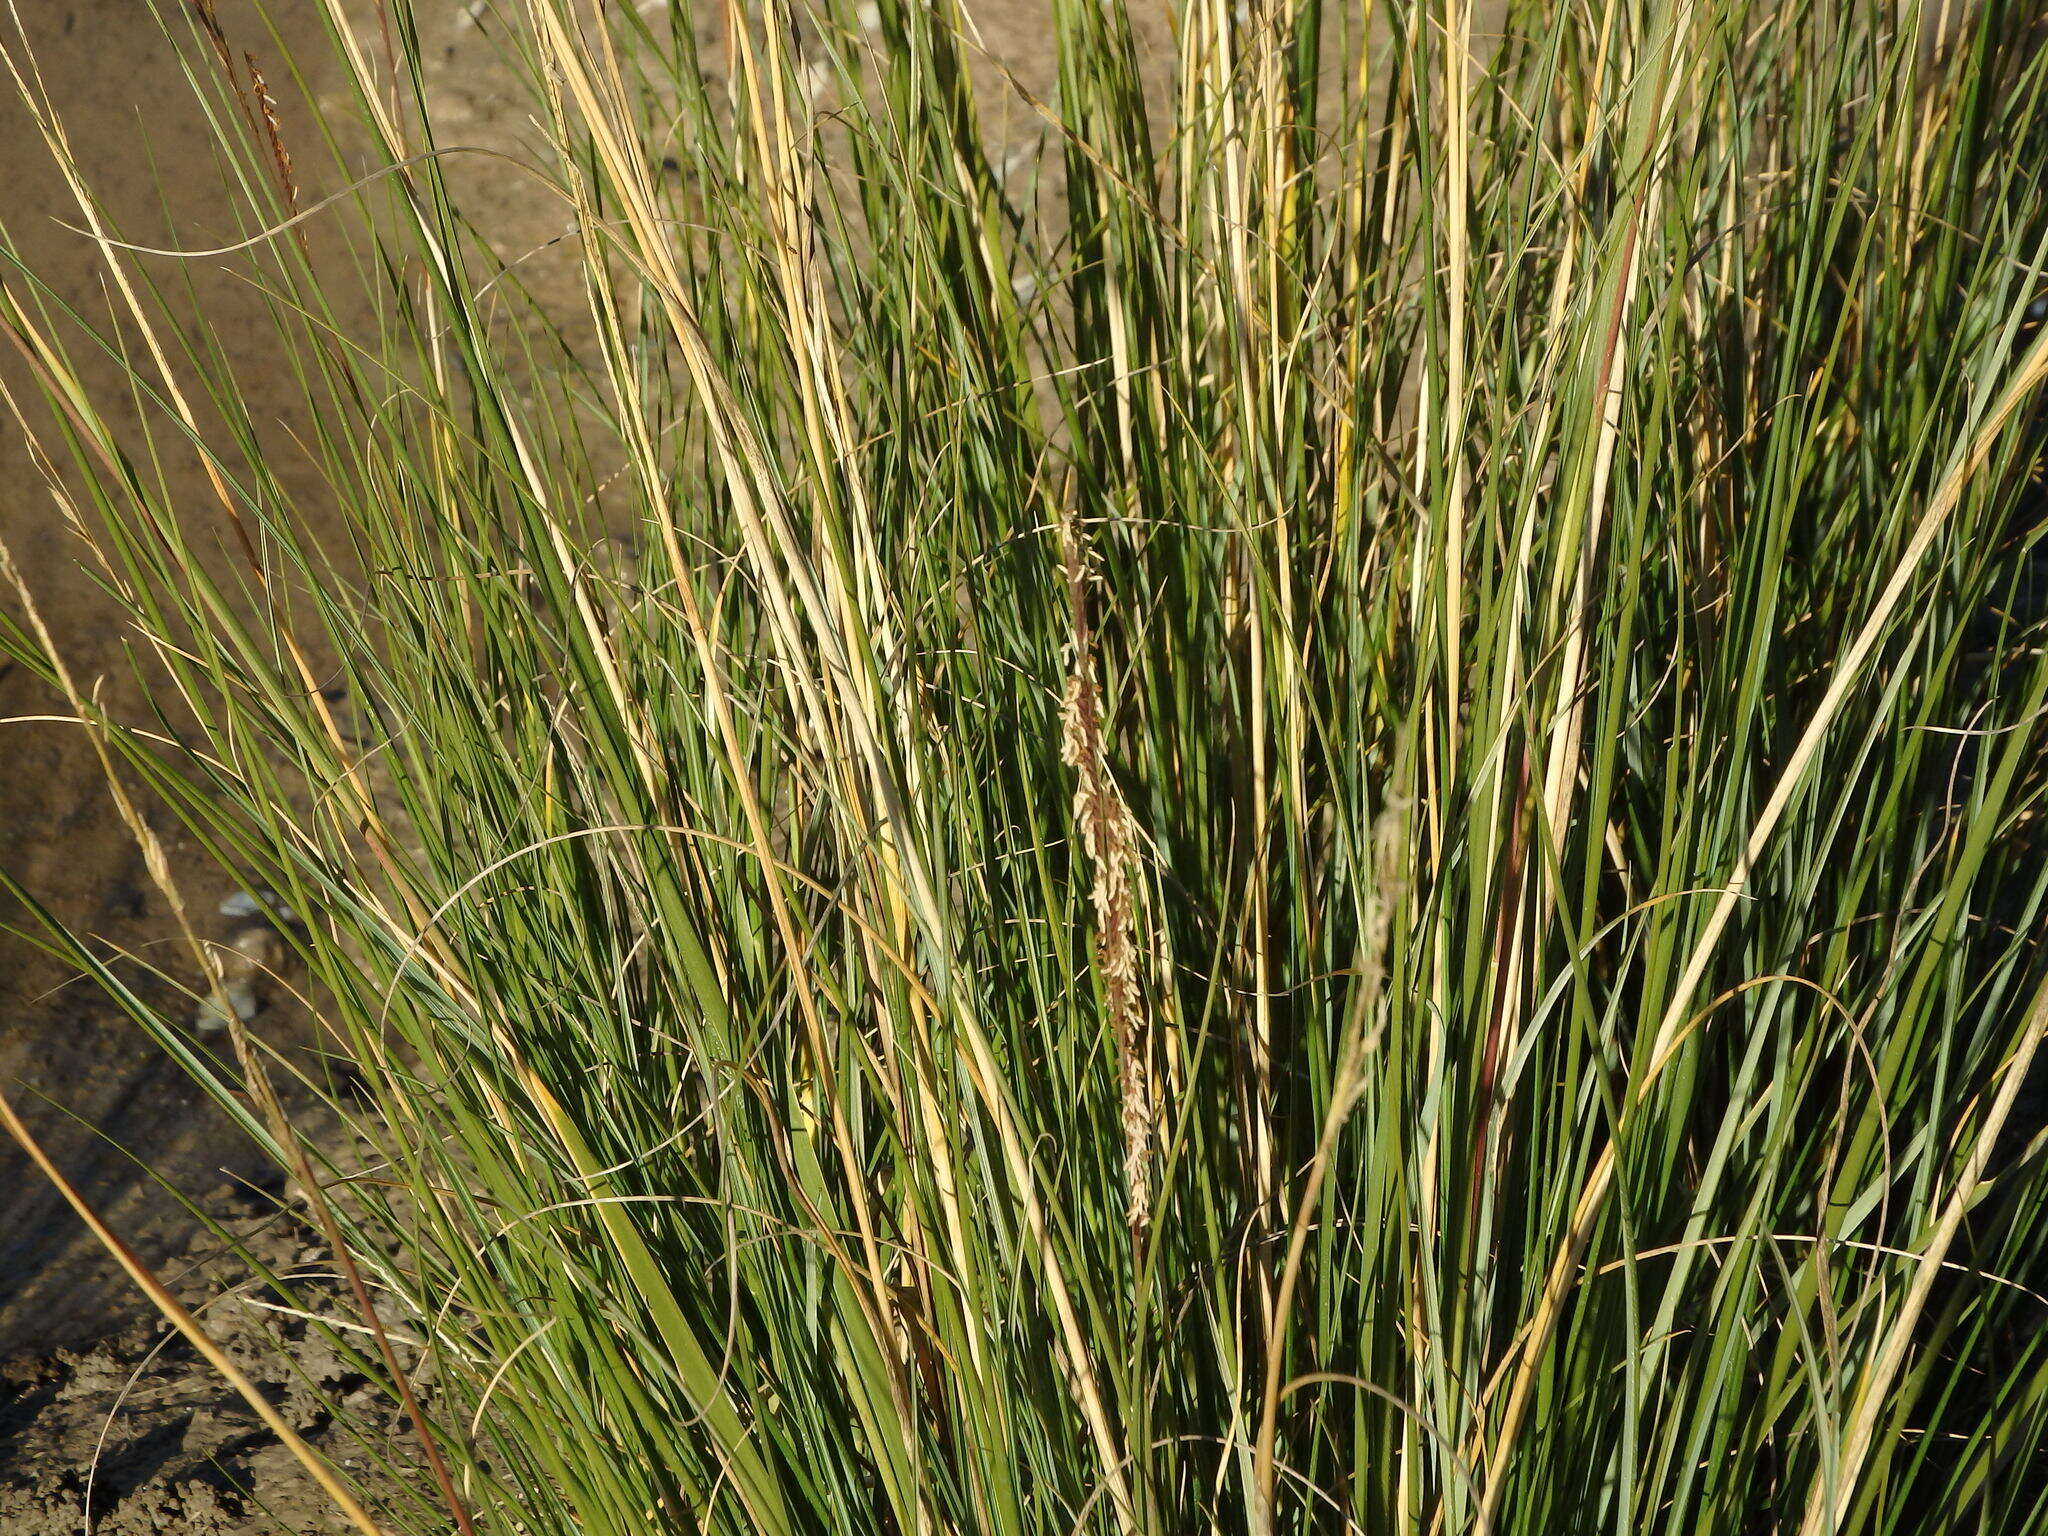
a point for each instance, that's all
(95, 1407)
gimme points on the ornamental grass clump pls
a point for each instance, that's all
(1311, 799)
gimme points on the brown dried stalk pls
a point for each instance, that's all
(209, 22)
(272, 130)
(1109, 836)
(259, 106)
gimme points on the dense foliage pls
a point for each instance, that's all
(1317, 811)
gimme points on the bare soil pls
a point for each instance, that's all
(134, 1435)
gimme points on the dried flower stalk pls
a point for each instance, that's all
(1109, 836)
(273, 131)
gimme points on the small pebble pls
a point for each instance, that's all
(263, 905)
(260, 948)
(241, 996)
(253, 953)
